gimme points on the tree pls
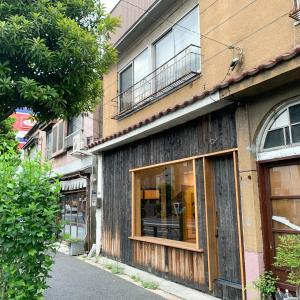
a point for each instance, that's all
(53, 55)
(8, 141)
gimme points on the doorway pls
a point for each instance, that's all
(280, 207)
(223, 227)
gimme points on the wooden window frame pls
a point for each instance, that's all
(135, 225)
(212, 267)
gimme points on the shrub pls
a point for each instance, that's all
(266, 283)
(288, 256)
(28, 227)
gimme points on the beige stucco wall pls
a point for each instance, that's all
(262, 30)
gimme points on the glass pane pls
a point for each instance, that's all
(286, 214)
(74, 124)
(141, 66)
(275, 138)
(126, 82)
(187, 31)
(296, 133)
(295, 113)
(126, 79)
(285, 181)
(166, 202)
(164, 49)
(281, 121)
(142, 88)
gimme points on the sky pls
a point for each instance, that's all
(110, 4)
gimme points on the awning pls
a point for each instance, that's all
(73, 184)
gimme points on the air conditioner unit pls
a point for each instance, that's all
(79, 143)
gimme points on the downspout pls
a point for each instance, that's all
(99, 209)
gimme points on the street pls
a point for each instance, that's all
(73, 279)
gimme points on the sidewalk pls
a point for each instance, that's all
(167, 289)
(76, 280)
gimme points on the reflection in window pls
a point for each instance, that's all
(165, 200)
(285, 129)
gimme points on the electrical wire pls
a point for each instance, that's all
(200, 13)
(175, 24)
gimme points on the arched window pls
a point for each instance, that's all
(281, 133)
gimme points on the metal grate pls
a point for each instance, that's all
(178, 70)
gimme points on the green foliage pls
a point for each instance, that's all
(28, 227)
(115, 268)
(8, 141)
(152, 285)
(288, 256)
(266, 283)
(53, 55)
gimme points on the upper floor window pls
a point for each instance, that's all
(281, 134)
(284, 129)
(170, 61)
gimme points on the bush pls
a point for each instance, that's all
(288, 256)
(266, 283)
(28, 227)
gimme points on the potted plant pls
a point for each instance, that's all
(288, 256)
(266, 284)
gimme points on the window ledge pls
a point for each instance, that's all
(169, 243)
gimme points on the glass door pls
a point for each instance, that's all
(282, 208)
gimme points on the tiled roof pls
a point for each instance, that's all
(230, 81)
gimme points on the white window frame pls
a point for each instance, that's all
(58, 151)
(285, 150)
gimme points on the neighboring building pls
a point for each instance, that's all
(63, 143)
(198, 167)
(22, 125)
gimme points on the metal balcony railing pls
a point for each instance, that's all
(295, 13)
(69, 138)
(175, 72)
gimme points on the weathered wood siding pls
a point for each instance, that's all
(210, 133)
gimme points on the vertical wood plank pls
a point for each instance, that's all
(239, 223)
(212, 248)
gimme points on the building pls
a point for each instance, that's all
(63, 143)
(198, 167)
(22, 125)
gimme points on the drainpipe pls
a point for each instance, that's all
(99, 210)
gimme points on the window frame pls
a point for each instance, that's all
(136, 224)
(151, 48)
(266, 129)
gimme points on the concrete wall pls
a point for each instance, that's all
(261, 30)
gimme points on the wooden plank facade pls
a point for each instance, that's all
(193, 267)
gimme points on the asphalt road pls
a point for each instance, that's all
(73, 279)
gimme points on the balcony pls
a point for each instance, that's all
(295, 13)
(179, 70)
(69, 139)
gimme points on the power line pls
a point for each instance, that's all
(176, 24)
(200, 13)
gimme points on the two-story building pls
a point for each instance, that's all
(198, 167)
(64, 144)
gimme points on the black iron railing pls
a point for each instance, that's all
(175, 72)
